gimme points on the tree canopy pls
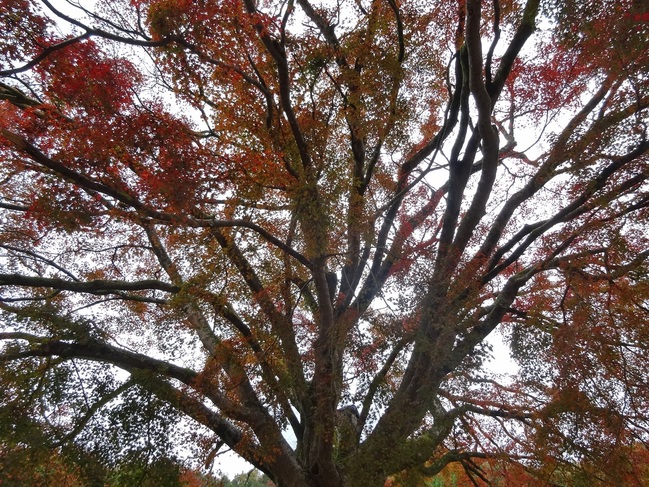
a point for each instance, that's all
(289, 228)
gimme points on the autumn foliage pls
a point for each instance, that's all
(291, 229)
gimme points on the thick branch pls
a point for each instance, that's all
(583, 203)
(487, 133)
(89, 32)
(98, 286)
(96, 351)
(266, 236)
(197, 410)
(281, 326)
(450, 457)
(523, 33)
(277, 52)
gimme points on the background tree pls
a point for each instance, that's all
(296, 224)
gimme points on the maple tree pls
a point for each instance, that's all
(293, 226)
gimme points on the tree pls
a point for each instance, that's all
(249, 479)
(293, 227)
